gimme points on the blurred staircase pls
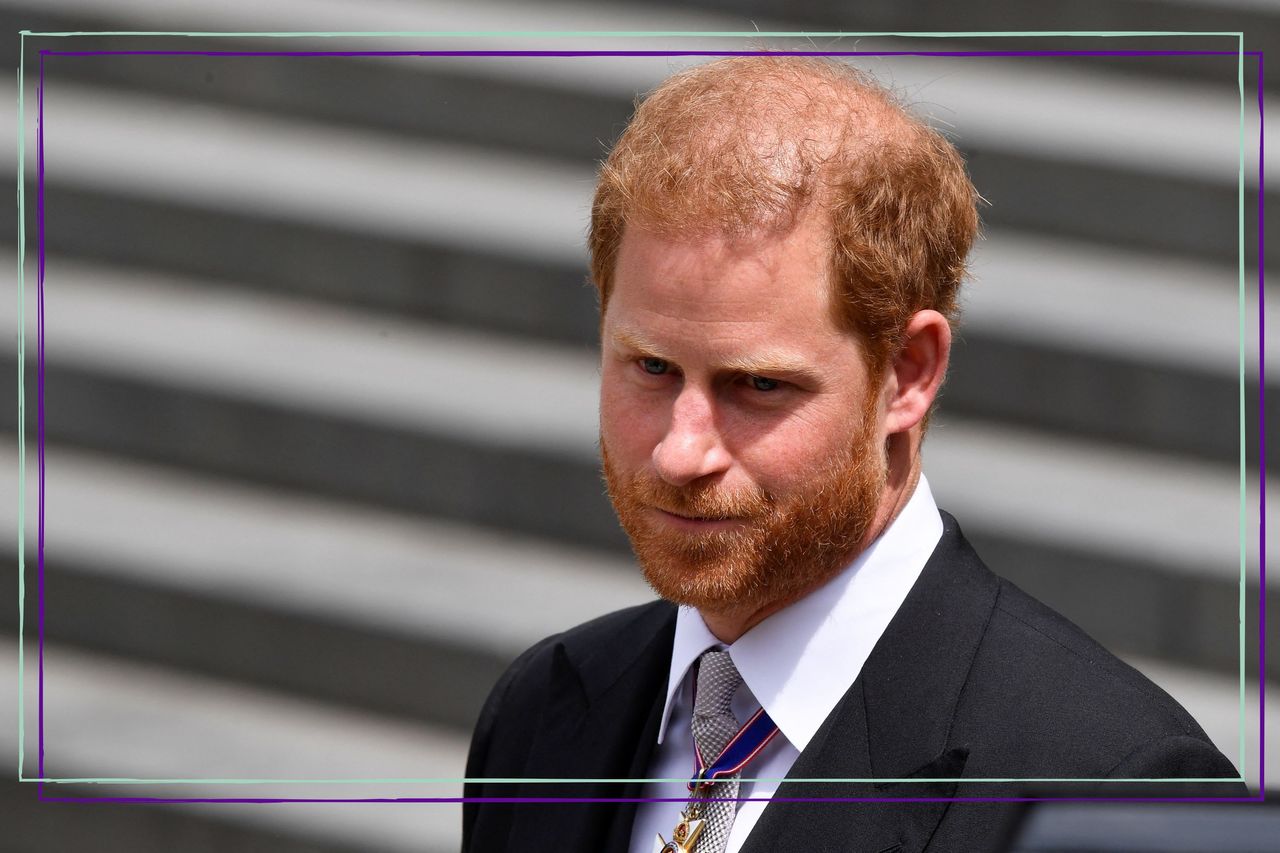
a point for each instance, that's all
(320, 388)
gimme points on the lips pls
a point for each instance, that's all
(696, 521)
(697, 517)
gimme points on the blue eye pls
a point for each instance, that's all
(761, 383)
(654, 366)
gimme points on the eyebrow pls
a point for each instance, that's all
(770, 362)
(634, 340)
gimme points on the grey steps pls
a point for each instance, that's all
(1107, 207)
(1069, 187)
(1258, 20)
(1111, 206)
(528, 490)
(253, 621)
(1107, 398)
(105, 717)
(395, 98)
(339, 660)
(32, 826)
(512, 265)
(331, 599)
(418, 277)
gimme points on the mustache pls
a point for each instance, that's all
(701, 501)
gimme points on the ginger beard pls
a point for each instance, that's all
(786, 546)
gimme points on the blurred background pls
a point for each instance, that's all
(320, 382)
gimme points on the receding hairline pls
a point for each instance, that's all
(765, 107)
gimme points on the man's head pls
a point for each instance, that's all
(778, 248)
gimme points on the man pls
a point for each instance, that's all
(778, 248)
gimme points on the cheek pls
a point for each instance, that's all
(628, 425)
(794, 452)
(780, 469)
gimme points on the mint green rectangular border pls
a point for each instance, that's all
(22, 243)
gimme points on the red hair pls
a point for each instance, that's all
(750, 145)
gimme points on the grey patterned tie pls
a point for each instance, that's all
(714, 725)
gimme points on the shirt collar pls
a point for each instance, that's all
(800, 661)
(692, 639)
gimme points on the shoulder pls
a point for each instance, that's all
(560, 662)
(1060, 705)
(615, 636)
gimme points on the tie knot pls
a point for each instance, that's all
(713, 721)
(718, 680)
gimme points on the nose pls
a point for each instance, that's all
(692, 446)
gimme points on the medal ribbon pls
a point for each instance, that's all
(754, 735)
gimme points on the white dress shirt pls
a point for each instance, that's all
(797, 663)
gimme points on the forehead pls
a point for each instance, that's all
(779, 282)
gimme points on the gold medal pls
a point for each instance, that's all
(684, 836)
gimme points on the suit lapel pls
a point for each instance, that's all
(913, 679)
(601, 723)
(894, 721)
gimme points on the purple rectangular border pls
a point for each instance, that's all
(40, 428)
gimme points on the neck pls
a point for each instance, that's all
(904, 472)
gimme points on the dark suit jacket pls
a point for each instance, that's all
(973, 679)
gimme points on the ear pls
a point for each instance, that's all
(915, 376)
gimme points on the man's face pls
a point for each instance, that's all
(741, 434)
